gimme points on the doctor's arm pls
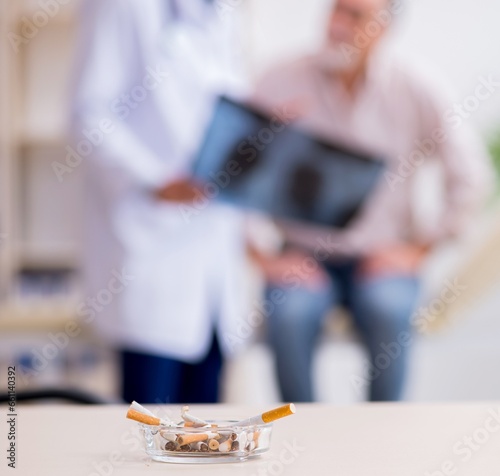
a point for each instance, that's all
(108, 69)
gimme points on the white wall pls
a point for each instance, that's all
(460, 39)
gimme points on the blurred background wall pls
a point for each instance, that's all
(40, 216)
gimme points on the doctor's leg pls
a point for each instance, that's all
(382, 309)
(293, 328)
(154, 379)
(150, 378)
(200, 381)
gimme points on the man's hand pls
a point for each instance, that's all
(183, 190)
(399, 259)
(280, 268)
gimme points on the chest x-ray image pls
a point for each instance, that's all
(292, 175)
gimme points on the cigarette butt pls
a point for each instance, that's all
(138, 407)
(235, 446)
(250, 445)
(184, 448)
(170, 446)
(167, 435)
(268, 417)
(228, 434)
(198, 422)
(188, 424)
(225, 446)
(278, 413)
(213, 444)
(200, 446)
(142, 418)
(242, 439)
(256, 437)
(192, 438)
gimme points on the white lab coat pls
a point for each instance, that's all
(182, 275)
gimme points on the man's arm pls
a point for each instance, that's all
(468, 178)
(467, 168)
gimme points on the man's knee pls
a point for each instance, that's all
(389, 302)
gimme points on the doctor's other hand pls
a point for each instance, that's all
(181, 190)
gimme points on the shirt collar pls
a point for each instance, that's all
(371, 74)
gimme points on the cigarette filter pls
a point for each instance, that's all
(270, 416)
(213, 445)
(192, 438)
(144, 411)
(142, 418)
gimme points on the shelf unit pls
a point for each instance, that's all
(38, 215)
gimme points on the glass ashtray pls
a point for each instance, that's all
(222, 442)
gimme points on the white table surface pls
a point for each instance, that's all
(364, 440)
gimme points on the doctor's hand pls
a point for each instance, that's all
(182, 190)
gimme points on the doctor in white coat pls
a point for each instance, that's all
(160, 283)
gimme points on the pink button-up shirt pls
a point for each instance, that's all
(402, 116)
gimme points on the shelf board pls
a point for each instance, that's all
(36, 316)
(41, 142)
(47, 262)
(39, 257)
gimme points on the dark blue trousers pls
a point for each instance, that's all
(153, 379)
